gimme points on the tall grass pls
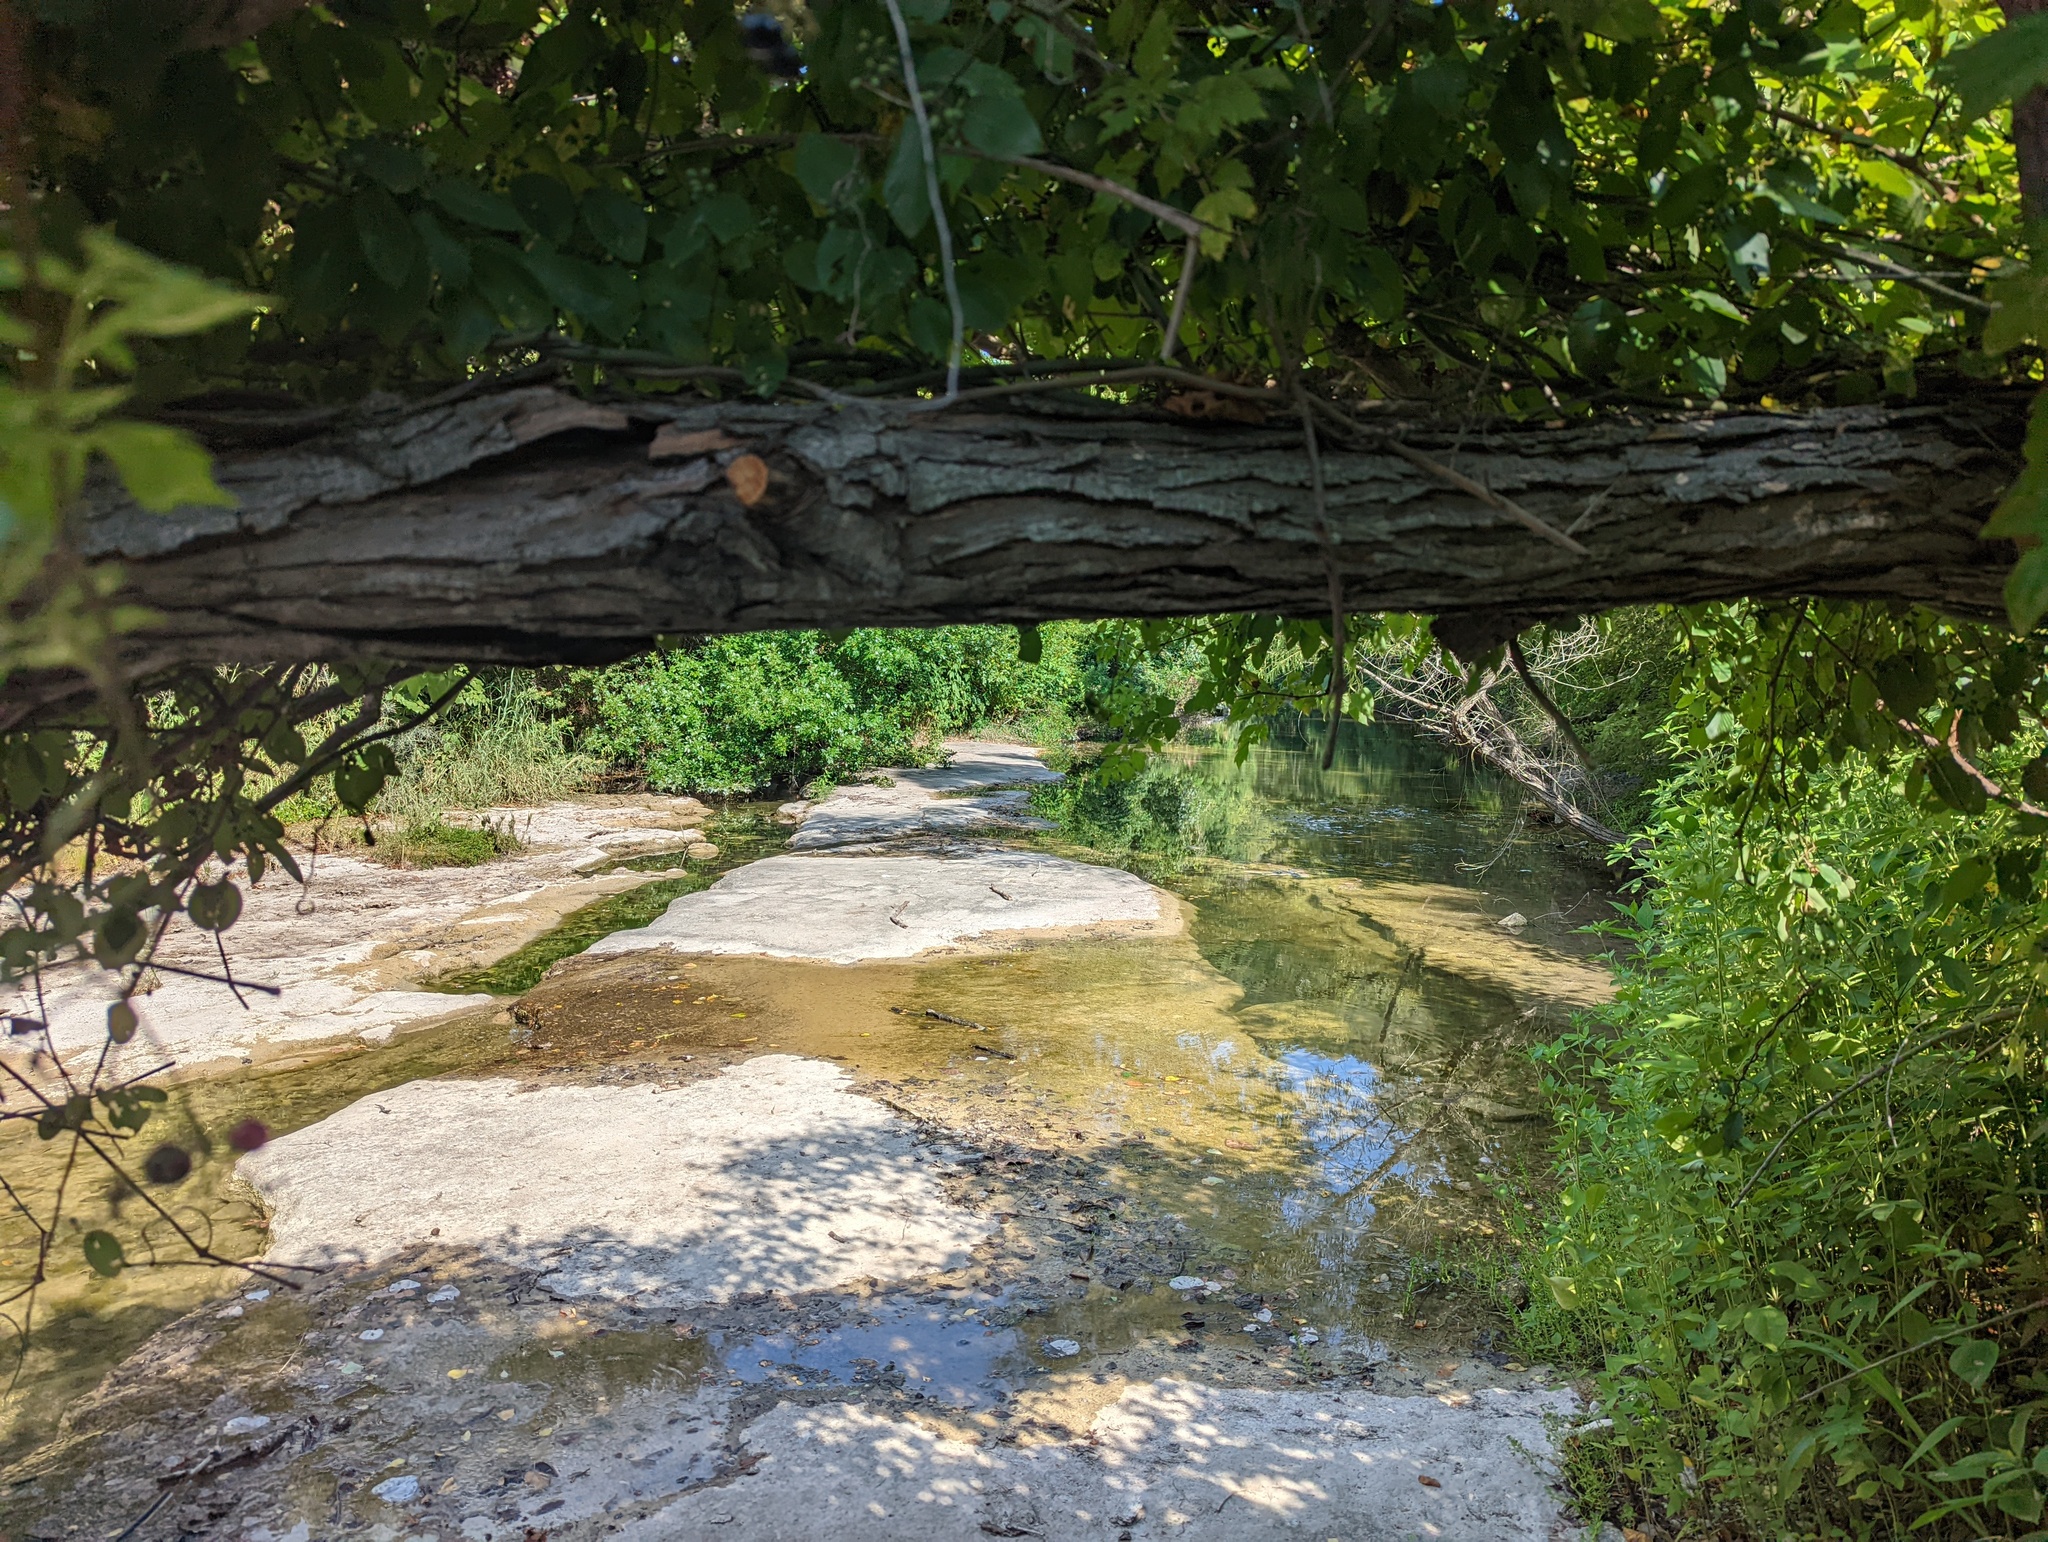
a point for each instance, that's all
(499, 751)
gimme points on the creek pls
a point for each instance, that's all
(1312, 1100)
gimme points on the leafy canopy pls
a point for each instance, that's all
(1586, 202)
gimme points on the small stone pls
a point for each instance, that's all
(1514, 921)
(445, 1293)
(702, 851)
(256, 1295)
(351, 1367)
(371, 1335)
(1184, 1282)
(230, 1311)
(245, 1424)
(1212, 1180)
(400, 1287)
(1061, 1349)
(1264, 1314)
(398, 1491)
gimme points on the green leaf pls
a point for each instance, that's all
(214, 906)
(447, 257)
(1030, 645)
(1973, 1360)
(2002, 68)
(1002, 126)
(619, 223)
(1767, 1325)
(903, 187)
(595, 293)
(398, 167)
(547, 206)
(473, 205)
(559, 53)
(121, 1022)
(1953, 785)
(1564, 1292)
(2022, 312)
(389, 243)
(162, 468)
(825, 167)
(103, 1253)
(505, 283)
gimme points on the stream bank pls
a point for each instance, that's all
(1104, 1193)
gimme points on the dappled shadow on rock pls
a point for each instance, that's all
(772, 1176)
(1170, 1457)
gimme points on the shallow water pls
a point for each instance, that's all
(1324, 1078)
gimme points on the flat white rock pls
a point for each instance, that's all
(1232, 1465)
(845, 909)
(770, 1176)
(907, 805)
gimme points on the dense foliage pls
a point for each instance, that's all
(1587, 200)
(778, 710)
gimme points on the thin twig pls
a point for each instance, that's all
(1335, 579)
(938, 203)
(1488, 496)
(213, 979)
(1913, 1349)
(1550, 708)
(1905, 1054)
(1899, 158)
(1189, 256)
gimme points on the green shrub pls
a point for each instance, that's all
(783, 709)
(1804, 1175)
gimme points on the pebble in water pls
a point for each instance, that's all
(1061, 1349)
(398, 1491)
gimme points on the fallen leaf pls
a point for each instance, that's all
(1428, 1482)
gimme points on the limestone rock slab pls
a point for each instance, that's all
(770, 1176)
(843, 909)
(906, 804)
(1174, 1458)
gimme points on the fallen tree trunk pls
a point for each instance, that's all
(529, 525)
(1433, 701)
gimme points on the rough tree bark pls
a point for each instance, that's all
(529, 525)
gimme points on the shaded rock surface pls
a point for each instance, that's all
(1172, 1457)
(772, 1176)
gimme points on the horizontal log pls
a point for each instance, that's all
(529, 525)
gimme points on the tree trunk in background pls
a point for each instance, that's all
(2030, 130)
(529, 526)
